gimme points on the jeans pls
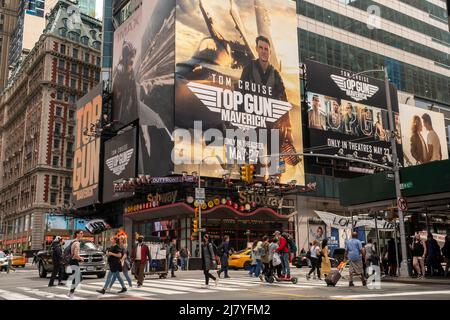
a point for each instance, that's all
(184, 261)
(258, 267)
(286, 270)
(314, 266)
(171, 265)
(111, 278)
(58, 270)
(252, 270)
(75, 278)
(207, 276)
(224, 265)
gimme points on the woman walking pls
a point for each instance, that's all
(253, 257)
(258, 256)
(326, 264)
(419, 252)
(208, 261)
(315, 255)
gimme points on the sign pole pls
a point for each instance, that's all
(199, 215)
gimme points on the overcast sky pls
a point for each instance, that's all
(99, 9)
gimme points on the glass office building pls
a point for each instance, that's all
(87, 7)
(410, 37)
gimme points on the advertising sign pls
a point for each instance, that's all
(85, 182)
(237, 90)
(120, 163)
(423, 135)
(57, 222)
(347, 114)
(143, 81)
(341, 222)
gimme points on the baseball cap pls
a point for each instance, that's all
(57, 238)
(276, 232)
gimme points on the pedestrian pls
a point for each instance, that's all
(9, 258)
(172, 251)
(74, 263)
(354, 253)
(114, 254)
(139, 257)
(446, 254)
(315, 265)
(419, 252)
(224, 253)
(283, 250)
(208, 261)
(125, 261)
(265, 257)
(253, 257)
(258, 254)
(433, 256)
(273, 252)
(58, 267)
(184, 256)
(392, 258)
(325, 267)
(368, 252)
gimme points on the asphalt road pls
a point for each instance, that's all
(25, 284)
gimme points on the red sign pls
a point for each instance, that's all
(402, 204)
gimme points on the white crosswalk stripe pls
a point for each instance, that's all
(148, 289)
(131, 292)
(45, 294)
(9, 295)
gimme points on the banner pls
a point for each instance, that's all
(86, 172)
(347, 114)
(423, 135)
(341, 222)
(120, 163)
(237, 90)
(143, 81)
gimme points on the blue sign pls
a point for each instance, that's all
(57, 222)
(80, 224)
(333, 241)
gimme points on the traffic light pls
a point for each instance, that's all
(196, 212)
(244, 173)
(251, 173)
(194, 226)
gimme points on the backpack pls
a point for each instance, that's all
(215, 249)
(67, 254)
(291, 245)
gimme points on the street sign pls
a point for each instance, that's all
(200, 193)
(200, 202)
(406, 185)
(402, 204)
(390, 176)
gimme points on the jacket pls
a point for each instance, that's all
(208, 257)
(56, 252)
(265, 256)
(283, 246)
(145, 254)
(225, 248)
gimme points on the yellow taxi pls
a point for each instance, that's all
(240, 260)
(19, 260)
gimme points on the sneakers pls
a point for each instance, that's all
(364, 283)
(173, 276)
(227, 277)
(261, 277)
(216, 282)
(218, 273)
(351, 284)
(61, 284)
(71, 295)
(123, 290)
(52, 285)
(205, 286)
(102, 291)
(308, 277)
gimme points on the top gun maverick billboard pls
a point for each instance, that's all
(203, 69)
(237, 71)
(347, 114)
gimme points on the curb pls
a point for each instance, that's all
(446, 282)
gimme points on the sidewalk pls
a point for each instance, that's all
(431, 280)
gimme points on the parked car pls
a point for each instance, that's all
(3, 262)
(19, 260)
(240, 260)
(94, 260)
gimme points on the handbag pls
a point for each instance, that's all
(276, 260)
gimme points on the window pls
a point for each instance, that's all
(75, 53)
(67, 198)
(70, 131)
(86, 72)
(73, 83)
(99, 60)
(86, 57)
(62, 49)
(59, 95)
(69, 163)
(60, 79)
(56, 143)
(71, 114)
(72, 98)
(54, 180)
(63, 32)
(85, 87)
(68, 182)
(69, 147)
(53, 198)
(97, 75)
(85, 40)
(58, 111)
(73, 68)
(55, 161)
(62, 64)
(57, 128)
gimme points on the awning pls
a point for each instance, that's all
(218, 212)
(341, 222)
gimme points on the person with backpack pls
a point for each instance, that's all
(224, 251)
(315, 260)
(274, 257)
(139, 257)
(58, 267)
(114, 254)
(283, 250)
(72, 254)
(208, 261)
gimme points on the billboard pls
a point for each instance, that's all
(237, 90)
(143, 81)
(57, 222)
(120, 163)
(85, 181)
(423, 135)
(347, 114)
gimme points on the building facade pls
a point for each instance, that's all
(37, 127)
(8, 18)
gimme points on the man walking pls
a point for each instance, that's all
(184, 255)
(74, 263)
(224, 250)
(114, 254)
(140, 257)
(58, 268)
(283, 250)
(353, 253)
(172, 251)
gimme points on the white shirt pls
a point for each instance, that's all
(314, 252)
(138, 251)
(433, 139)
